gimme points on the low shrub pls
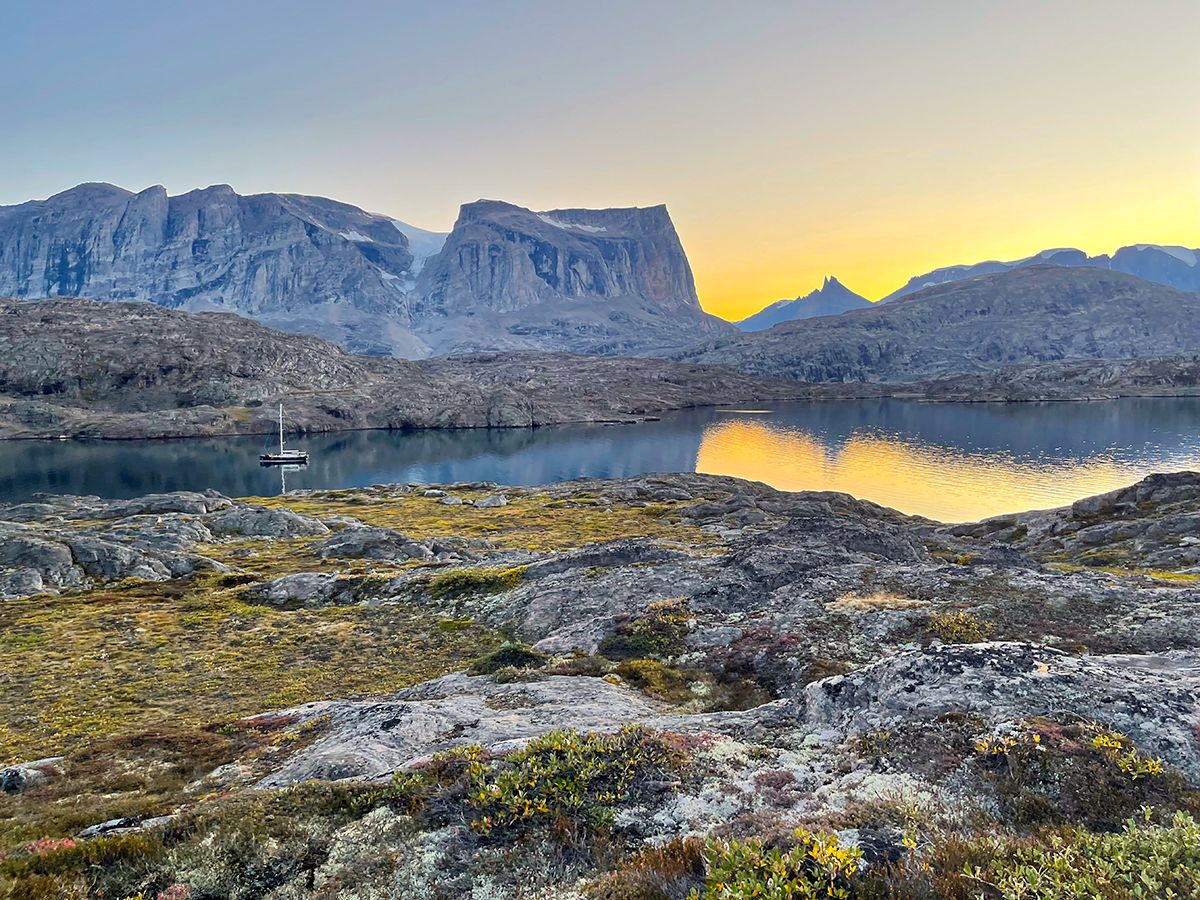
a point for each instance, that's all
(817, 866)
(510, 656)
(1083, 774)
(657, 633)
(959, 628)
(459, 583)
(674, 871)
(1141, 860)
(570, 780)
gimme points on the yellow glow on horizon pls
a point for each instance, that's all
(943, 484)
(877, 252)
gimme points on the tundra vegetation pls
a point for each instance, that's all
(663, 687)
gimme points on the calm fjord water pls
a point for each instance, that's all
(953, 462)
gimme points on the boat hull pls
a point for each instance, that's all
(286, 459)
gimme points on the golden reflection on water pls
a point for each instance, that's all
(947, 484)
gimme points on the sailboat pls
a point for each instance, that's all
(284, 457)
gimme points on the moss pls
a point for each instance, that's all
(1103, 557)
(658, 632)
(1122, 571)
(147, 774)
(233, 847)
(508, 656)
(130, 658)
(658, 680)
(531, 521)
(459, 583)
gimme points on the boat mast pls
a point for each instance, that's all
(281, 429)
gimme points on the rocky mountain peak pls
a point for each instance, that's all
(830, 299)
(593, 281)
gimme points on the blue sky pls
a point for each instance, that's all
(865, 139)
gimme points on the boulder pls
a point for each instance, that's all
(262, 521)
(23, 776)
(301, 589)
(372, 543)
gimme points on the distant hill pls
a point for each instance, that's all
(830, 299)
(589, 281)
(1173, 266)
(1030, 314)
(109, 369)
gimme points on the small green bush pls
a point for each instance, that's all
(509, 656)
(817, 866)
(1141, 860)
(658, 633)
(570, 780)
(959, 628)
(657, 680)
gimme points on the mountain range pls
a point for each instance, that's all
(1164, 264)
(600, 282)
(831, 299)
(590, 281)
(1030, 314)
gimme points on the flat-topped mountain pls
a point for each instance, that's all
(1028, 315)
(109, 369)
(1169, 265)
(593, 281)
(831, 299)
(607, 281)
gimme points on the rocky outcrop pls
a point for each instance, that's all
(1030, 315)
(54, 543)
(90, 369)
(595, 281)
(1155, 701)
(326, 267)
(375, 738)
(1154, 524)
(1088, 379)
(831, 299)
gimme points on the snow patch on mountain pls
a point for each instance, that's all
(558, 223)
(422, 244)
(1183, 254)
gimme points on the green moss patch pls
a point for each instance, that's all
(81, 668)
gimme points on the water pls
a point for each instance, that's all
(953, 462)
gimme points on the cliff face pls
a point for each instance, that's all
(281, 258)
(611, 280)
(588, 280)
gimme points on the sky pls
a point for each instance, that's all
(872, 141)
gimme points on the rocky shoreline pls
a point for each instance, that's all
(81, 369)
(383, 662)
